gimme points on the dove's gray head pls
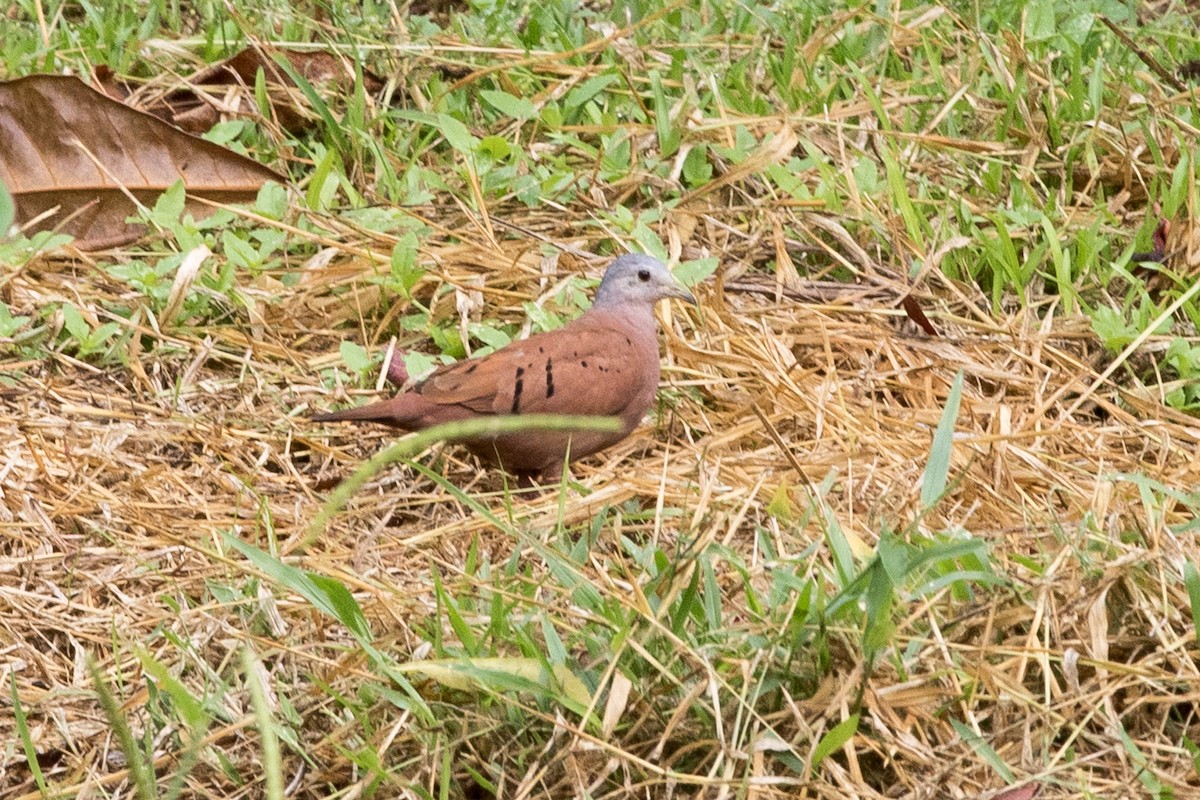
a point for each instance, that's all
(638, 279)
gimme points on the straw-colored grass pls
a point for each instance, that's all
(798, 412)
(119, 484)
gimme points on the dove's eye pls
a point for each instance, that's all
(644, 275)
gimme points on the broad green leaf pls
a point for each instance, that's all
(1041, 19)
(240, 252)
(495, 146)
(690, 273)
(169, 206)
(668, 135)
(839, 545)
(589, 89)
(8, 210)
(418, 365)
(554, 644)
(74, 322)
(272, 201)
(650, 241)
(696, 169)
(8, 323)
(492, 337)
(505, 103)
(355, 356)
(457, 135)
(404, 262)
(1110, 325)
(781, 506)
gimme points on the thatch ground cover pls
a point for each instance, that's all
(763, 561)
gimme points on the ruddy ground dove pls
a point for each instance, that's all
(605, 363)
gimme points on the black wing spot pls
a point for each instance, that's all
(472, 368)
(517, 389)
(628, 341)
(583, 364)
(549, 378)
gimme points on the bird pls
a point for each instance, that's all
(603, 363)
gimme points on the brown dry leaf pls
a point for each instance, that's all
(917, 314)
(1179, 243)
(1176, 248)
(1026, 792)
(75, 160)
(227, 88)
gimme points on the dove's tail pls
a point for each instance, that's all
(389, 412)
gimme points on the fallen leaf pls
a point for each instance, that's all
(618, 701)
(1026, 792)
(80, 162)
(917, 314)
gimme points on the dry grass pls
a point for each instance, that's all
(118, 485)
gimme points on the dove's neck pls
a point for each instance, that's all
(639, 316)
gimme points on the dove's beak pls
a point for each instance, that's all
(677, 291)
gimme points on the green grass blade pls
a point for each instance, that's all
(22, 725)
(141, 772)
(192, 713)
(451, 431)
(1191, 579)
(327, 594)
(937, 469)
(984, 750)
(834, 739)
(272, 757)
